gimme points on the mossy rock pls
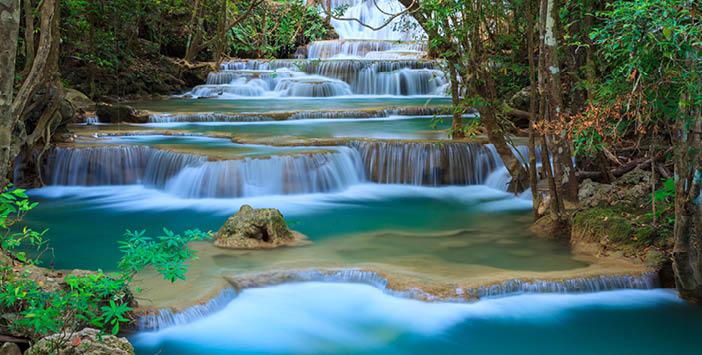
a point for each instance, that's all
(602, 225)
(256, 228)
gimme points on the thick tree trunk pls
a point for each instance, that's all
(28, 9)
(687, 233)
(9, 32)
(44, 69)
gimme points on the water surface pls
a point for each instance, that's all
(267, 104)
(323, 318)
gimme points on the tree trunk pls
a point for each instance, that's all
(687, 233)
(563, 169)
(457, 121)
(28, 9)
(9, 32)
(195, 39)
(44, 69)
(531, 145)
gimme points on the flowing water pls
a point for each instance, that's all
(348, 142)
(347, 318)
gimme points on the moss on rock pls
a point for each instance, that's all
(601, 224)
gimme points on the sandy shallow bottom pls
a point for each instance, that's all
(217, 269)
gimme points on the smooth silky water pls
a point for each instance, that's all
(379, 128)
(265, 104)
(432, 235)
(325, 318)
(216, 148)
(380, 206)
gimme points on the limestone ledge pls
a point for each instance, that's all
(601, 275)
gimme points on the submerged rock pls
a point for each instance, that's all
(116, 113)
(256, 228)
(86, 341)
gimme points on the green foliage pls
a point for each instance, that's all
(650, 54)
(167, 254)
(39, 306)
(276, 29)
(665, 207)
(15, 240)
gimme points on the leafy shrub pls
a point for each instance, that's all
(37, 307)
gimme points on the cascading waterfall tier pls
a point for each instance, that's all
(193, 176)
(167, 318)
(427, 163)
(207, 117)
(327, 170)
(115, 165)
(374, 13)
(365, 49)
(412, 111)
(327, 78)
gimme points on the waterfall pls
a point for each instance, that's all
(411, 111)
(643, 281)
(327, 170)
(427, 163)
(355, 49)
(646, 280)
(207, 117)
(304, 78)
(312, 86)
(115, 165)
(193, 176)
(277, 175)
(400, 111)
(167, 318)
(374, 13)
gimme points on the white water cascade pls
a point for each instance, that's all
(388, 62)
(428, 163)
(193, 176)
(327, 170)
(327, 78)
(166, 318)
(374, 13)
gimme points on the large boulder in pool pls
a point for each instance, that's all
(116, 113)
(256, 228)
(87, 341)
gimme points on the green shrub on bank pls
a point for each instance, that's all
(35, 302)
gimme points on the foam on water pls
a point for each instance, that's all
(331, 317)
(140, 198)
(327, 78)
